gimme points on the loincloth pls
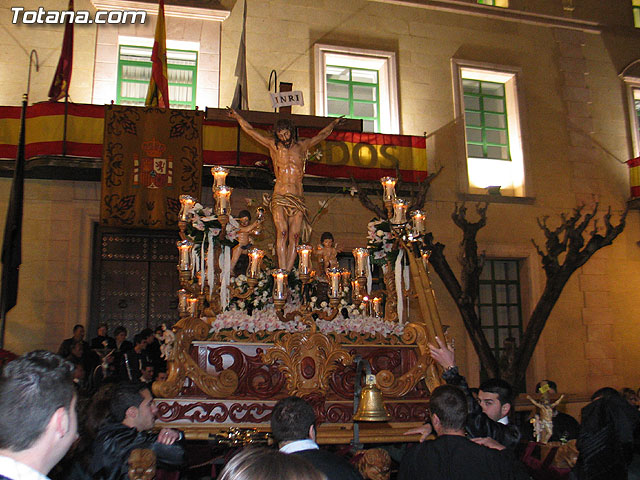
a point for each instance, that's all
(291, 204)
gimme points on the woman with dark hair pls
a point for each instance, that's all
(266, 464)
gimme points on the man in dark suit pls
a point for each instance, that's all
(293, 424)
(78, 336)
(452, 456)
(38, 420)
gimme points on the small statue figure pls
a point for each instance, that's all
(375, 464)
(168, 337)
(244, 234)
(327, 253)
(142, 464)
(543, 422)
(288, 155)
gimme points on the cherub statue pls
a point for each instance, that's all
(543, 421)
(168, 337)
(374, 464)
(142, 464)
(244, 231)
(327, 253)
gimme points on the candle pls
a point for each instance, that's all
(399, 212)
(255, 259)
(419, 224)
(425, 258)
(364, 306)
(184, 255)
(182, 301)
(376, 305)
(192, 306)
(223, 200)
(345, 275)
(361, 256)
(219, 176)
(389, 189)
(304, 259)
(279, 286)
(186, 204)
(335, 275)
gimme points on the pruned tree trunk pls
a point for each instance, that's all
(567, 248)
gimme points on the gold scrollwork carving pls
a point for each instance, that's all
(181, 365)
(424, 367)
(307, 360)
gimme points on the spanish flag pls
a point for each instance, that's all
(634, 176)
(158, 93)
(60, 85)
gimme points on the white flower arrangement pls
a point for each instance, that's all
(380, 242)
(202, 222)
(266, 320)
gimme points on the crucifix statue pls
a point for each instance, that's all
(289, 155)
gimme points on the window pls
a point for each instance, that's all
(485, 113)
(499, 303)
(636, 13)
(487, 100)
(631, 77)
(134, 72)
(495, 3)
(354, 93)
(357, 84)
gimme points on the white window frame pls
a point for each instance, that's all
(384, 62)
(633, 88)
(483, 172)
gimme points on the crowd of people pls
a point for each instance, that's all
(50, 426)
(107, 359)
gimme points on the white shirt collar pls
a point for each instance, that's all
(299, 445)
(18, 471)
(504, 420)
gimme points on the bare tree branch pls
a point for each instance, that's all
(366, 202)
(558, 273)
(417, 202)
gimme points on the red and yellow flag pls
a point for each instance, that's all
(61, 80)
(158, 93)
(634, 176)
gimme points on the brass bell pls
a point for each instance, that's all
(371, 406)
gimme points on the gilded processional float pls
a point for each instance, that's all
(243, 342)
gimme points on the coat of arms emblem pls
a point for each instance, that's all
(153, 170)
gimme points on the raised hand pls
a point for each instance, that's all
(443, 354)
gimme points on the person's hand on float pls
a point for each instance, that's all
(423, 430)
(443, 354)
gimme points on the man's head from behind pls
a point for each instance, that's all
(37, 406)
(448, 407)
(132, 405)
(293, 419)
(495, 397)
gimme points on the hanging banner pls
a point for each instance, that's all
(151, 157)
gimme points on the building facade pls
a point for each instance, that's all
(539, 100)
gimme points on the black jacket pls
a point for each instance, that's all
(114, 443)
(478, 423)
(333, 466)
(451, 457)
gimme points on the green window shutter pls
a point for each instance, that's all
(134, 72)
(499, 303)
(354, 93)
(486, 126)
